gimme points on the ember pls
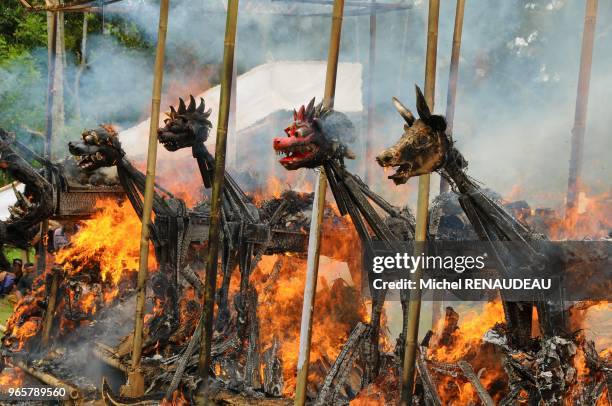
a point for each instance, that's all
(11, 377)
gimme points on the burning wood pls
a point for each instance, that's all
(427, 381)
(273, 371)
(339, 373)
(468, 371)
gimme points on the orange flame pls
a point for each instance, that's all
(108, 240)
(11, 377)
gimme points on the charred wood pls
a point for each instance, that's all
(451, 324)
(48, 379)
(337, 375)
(429, 384)
(273, 381)
(184, 359)
(193, 279)
(468, 371)
(251, 373)
(107, 355)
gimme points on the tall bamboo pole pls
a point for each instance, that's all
(370, 91)
(135, 382)
(231, 125)
(414, 307)
(318, 208)
(217, 191)
(580, 115)
(55, 32)
(44, 226)
(451, 96)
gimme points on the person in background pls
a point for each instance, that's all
(63, 234)
(17, 269)
(7, 283)
(24, 285)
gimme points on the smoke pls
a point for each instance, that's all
(516, 90)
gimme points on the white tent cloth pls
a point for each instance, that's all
(8, 198)
(266, 89)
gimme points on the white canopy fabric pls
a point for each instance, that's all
(8, 198)
(263, 90)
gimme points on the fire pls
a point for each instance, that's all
(338, 308)
(275, 187)
(580, 363)
(26, 331)
(515, 192)
(595, 319)
(179, 173)
(104, 251)
(11, 377)
(592, 218)
(178, 399)
(465, 343)
(383, 391)
(473, 325)
(108, 241)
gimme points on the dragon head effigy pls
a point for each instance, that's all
(185, 127)
(98, 148)
(317, 135)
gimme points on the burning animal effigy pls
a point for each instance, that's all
(317, 137)
(423, 148)
(540, 368)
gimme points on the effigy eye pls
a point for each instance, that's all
(290, 131)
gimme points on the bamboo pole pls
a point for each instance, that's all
(451, 96)
(580, 115)
(55, 21)
(134, 386)
(217, 190)
(414, 306)
(231, 125)
(51, 84)
(50, 311)
(44, 226)
(108, 355)
(370, 94)
(48, 379)
(318, 209)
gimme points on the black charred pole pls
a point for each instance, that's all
(217, 191)
(44, 226)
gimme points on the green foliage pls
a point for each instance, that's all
(127, 34)
(20, 80)
(23, 64)
(20, 28)
(31, 31)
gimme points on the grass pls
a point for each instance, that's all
(6, 309)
